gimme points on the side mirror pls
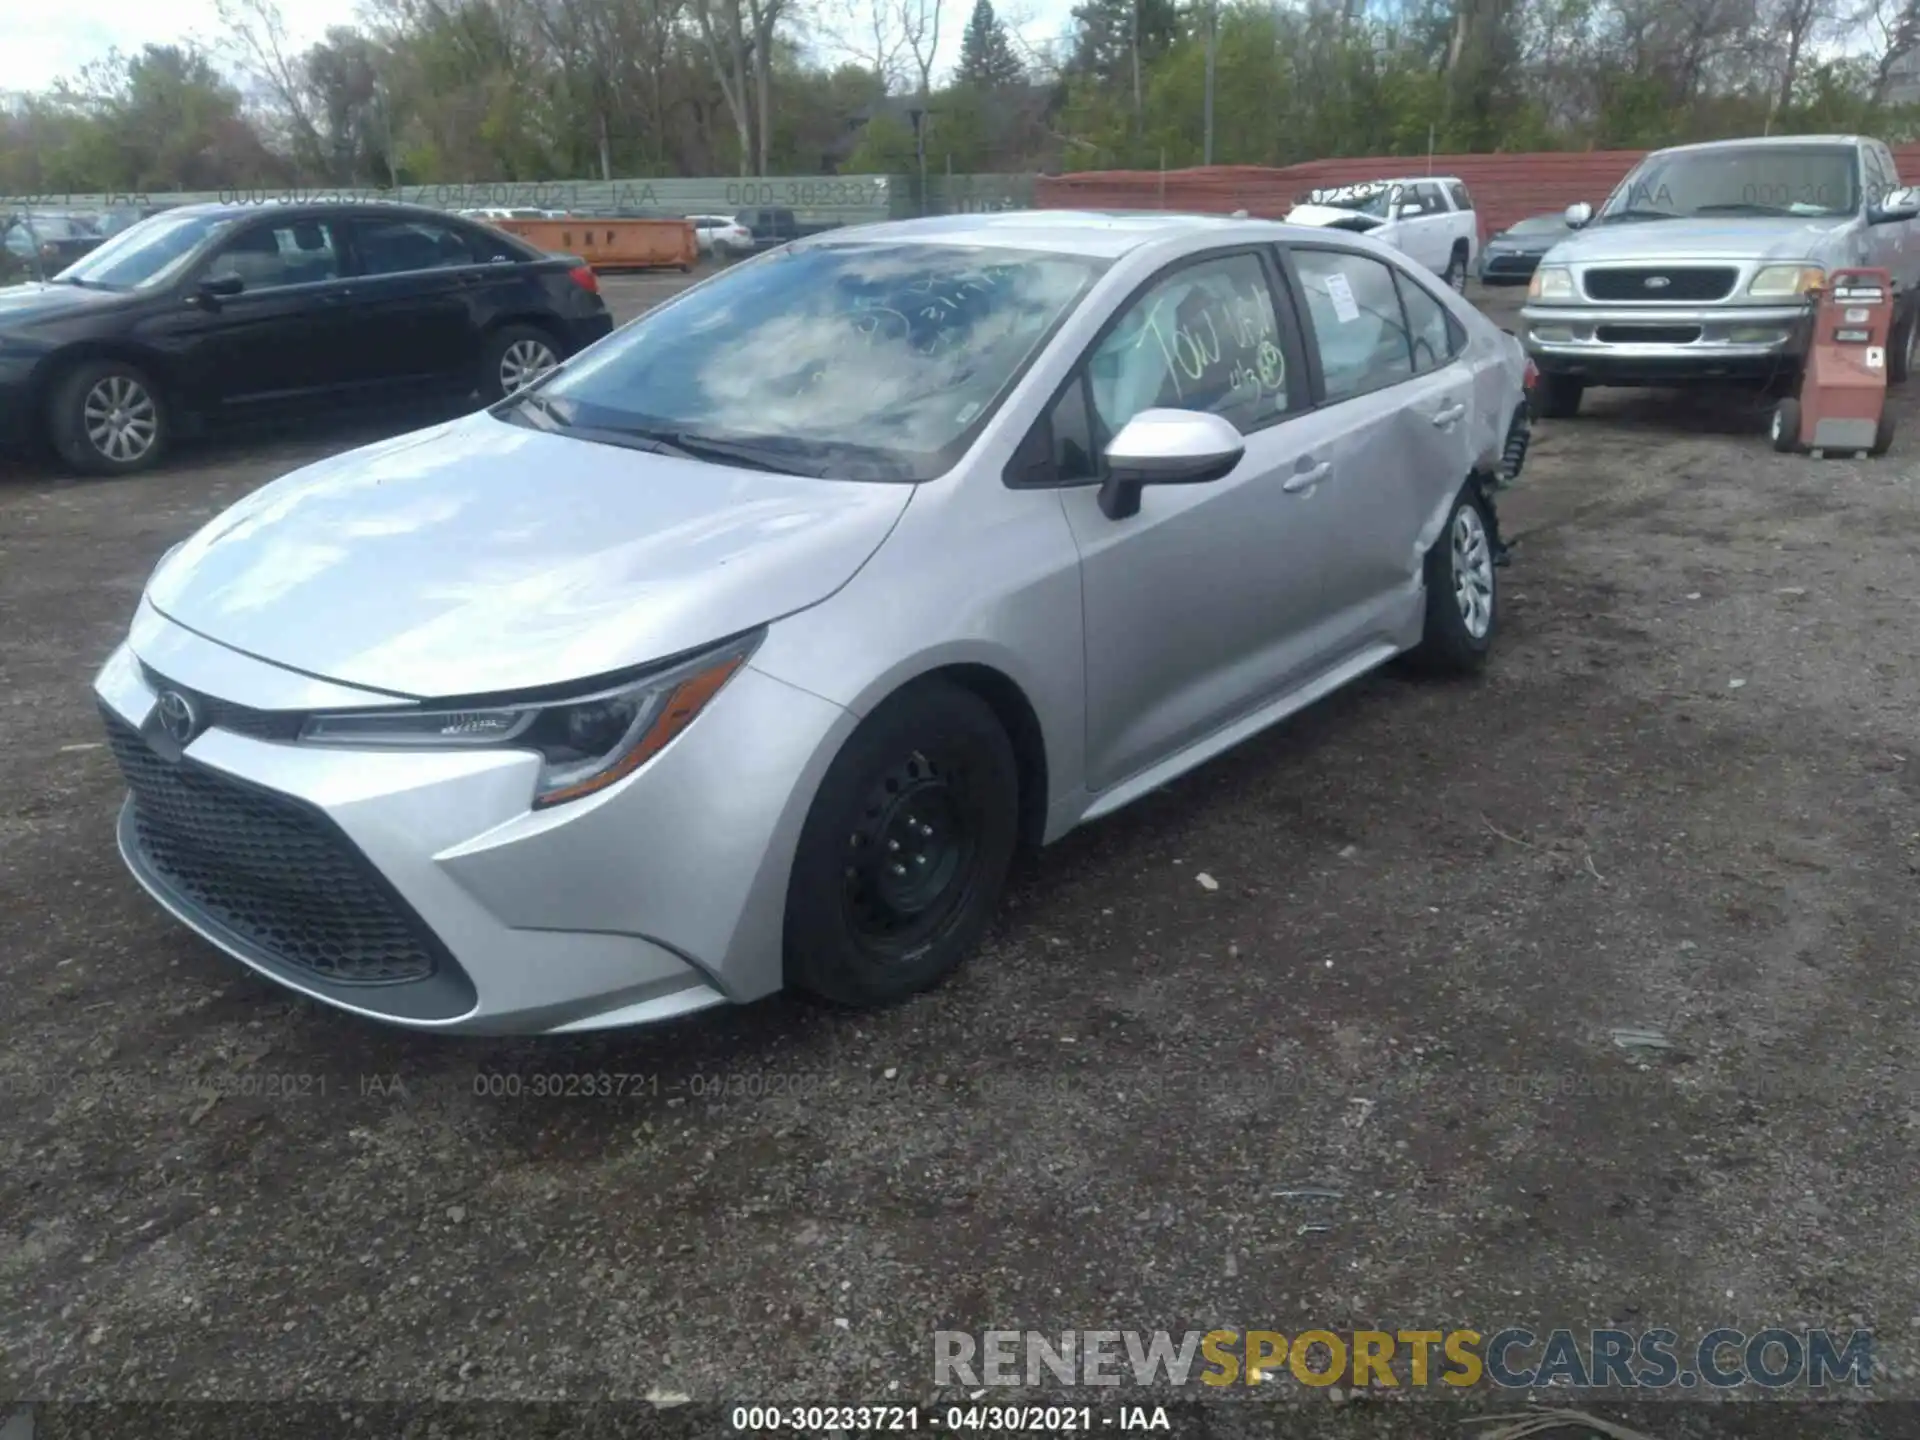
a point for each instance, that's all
(1578, 214)
(222, 287)
(1895, 205)
(1408, 209)
(1166, 447)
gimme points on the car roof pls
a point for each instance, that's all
(1103, 234)
(1769, 141)
(391, 208)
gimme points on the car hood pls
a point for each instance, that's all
(1329, 215)
(1745, 237)
(478, 557)
(31, 302)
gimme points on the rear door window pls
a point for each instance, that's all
(1359, 328)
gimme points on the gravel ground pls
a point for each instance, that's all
(1682, 797)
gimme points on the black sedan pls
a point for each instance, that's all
(208, 313)
(1513, 254)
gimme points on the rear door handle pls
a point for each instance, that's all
(1308, 478)
(1447, 416)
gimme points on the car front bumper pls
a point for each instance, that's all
(1626, 344)
(418, 887)
(19, 400)
(1508, 267)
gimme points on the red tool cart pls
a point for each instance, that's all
(1841, 407)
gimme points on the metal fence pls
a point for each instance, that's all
(814, 199)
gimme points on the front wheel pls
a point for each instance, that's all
(1463, 591)
(107, 417)
(1903, 345)
(1784, 428)
(905, 850)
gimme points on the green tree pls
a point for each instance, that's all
(987, 61)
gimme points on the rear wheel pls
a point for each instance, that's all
(1463, 591)
(515, 356)
(107, 417)
(1456, 273)
(905, 851)
(1557, 397)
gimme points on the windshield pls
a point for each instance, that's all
(1812, 180)
(868, 361)
(55, 227)
(1537, 225)
(1371, 199)
(144, 254)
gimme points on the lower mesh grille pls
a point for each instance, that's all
(276, 874)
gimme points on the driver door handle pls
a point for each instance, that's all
(1308, 478)
(1447, 416)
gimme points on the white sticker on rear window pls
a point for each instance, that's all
(1341, 294)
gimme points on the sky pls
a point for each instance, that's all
(42, 40)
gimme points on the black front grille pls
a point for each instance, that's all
(1683, 282)
(274, 873)
(225, 715)
(1646, 334)
(1512, 264)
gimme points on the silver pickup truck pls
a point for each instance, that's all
(1700, 265)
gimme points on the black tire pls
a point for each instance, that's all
(1456, 272)
(1463, 591)
(931, 764)
(503, 352)
(1883, 436)
(1784, 428)
(1557, 397)
(1901, 344)
(84, 431)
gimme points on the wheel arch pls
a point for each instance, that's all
(83, 352)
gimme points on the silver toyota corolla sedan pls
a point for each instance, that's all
(743, 650)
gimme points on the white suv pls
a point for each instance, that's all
(1430, 217)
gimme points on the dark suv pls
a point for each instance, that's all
(210, 312)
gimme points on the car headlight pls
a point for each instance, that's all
(586, 742)
(1784, 282)
(1551, 282)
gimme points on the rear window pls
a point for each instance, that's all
(1460, 197)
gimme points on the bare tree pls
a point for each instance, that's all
(868, 33)
(257, 41)
(765, 17)
(724, 27)
(1796, 25)
(1893, 30)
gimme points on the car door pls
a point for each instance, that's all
(1889, 246)
(1392, 426)
(416, 284)
(1433, 226)
(285, 337)
(1202, 605)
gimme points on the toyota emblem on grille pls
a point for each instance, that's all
(177, 716)
(1658, 282)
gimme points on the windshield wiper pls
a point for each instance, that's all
(1635, 213)
(532, 403)
(1740, 207)
(755, 455)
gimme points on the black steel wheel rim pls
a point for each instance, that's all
(911, 853)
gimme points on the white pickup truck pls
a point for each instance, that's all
(1430, 217)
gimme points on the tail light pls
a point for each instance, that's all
(583, 276)
(1532, 376)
